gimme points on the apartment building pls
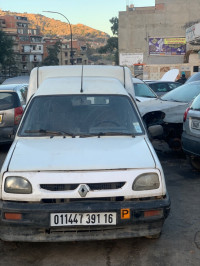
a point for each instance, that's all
(75, 55)
(31, 47)
(28, 42)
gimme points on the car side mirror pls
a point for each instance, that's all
(155, 131)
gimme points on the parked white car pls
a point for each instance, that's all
(168, 111)
(81, 166)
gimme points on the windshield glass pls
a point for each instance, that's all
(73, 115)
(142, 90)
(196, 104)
(185, 93)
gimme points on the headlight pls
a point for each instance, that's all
(17, 185)
(146, 181)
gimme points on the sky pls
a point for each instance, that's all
(93, 13)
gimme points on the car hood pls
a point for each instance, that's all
(173, 110)
(143, 99)
(69, 154)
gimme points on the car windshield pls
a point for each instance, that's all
(185, 93)
(196, 104)
(81, 115)
(142, 90)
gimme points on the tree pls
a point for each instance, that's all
(112, 43)
(115, 24)
(7, 56)
(52, 58)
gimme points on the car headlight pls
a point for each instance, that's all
(17, 185)
(146, 181)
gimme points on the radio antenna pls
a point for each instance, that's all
(82, 80)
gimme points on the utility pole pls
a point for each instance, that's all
(71, 55)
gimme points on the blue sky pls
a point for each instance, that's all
(93, 13)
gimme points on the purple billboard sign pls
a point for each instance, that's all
(167, 46)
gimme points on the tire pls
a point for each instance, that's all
(175, 144)
(195, 162)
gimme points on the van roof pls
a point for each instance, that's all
(40, 74)
(73, 85)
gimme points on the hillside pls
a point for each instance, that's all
(54, 27)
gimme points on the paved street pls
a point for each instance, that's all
(179, 243)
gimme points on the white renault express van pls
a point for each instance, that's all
(81, 166)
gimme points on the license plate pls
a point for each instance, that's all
(72, 219)
(195, 124)
(1, 118)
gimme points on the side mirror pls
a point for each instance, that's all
(155, 131)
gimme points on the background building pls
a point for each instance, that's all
(28, 42)
(31, 47)
(157, 34)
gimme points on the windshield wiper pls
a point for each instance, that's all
(56, 133)
(99, 134)
(147, 96)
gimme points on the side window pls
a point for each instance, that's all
(162, 87)
(173, 86)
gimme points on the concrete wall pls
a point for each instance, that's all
(169, 18)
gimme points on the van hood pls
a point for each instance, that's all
(76, 154)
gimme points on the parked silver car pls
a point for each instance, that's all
(191, 133)
(12, 104)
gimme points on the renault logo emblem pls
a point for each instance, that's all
(83, 190)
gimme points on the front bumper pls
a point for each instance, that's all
(35, 223)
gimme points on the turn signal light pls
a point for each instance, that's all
(13, 216)
(152, 213)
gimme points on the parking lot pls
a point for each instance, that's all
(179, 243)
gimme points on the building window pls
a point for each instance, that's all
(66, 62)
(20, 31)
(66, 54)
(23, 58)
(79, 60)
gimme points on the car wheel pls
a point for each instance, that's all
(195, 162)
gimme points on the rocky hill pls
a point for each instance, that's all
(54, 27)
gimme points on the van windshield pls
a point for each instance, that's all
(78, 115)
